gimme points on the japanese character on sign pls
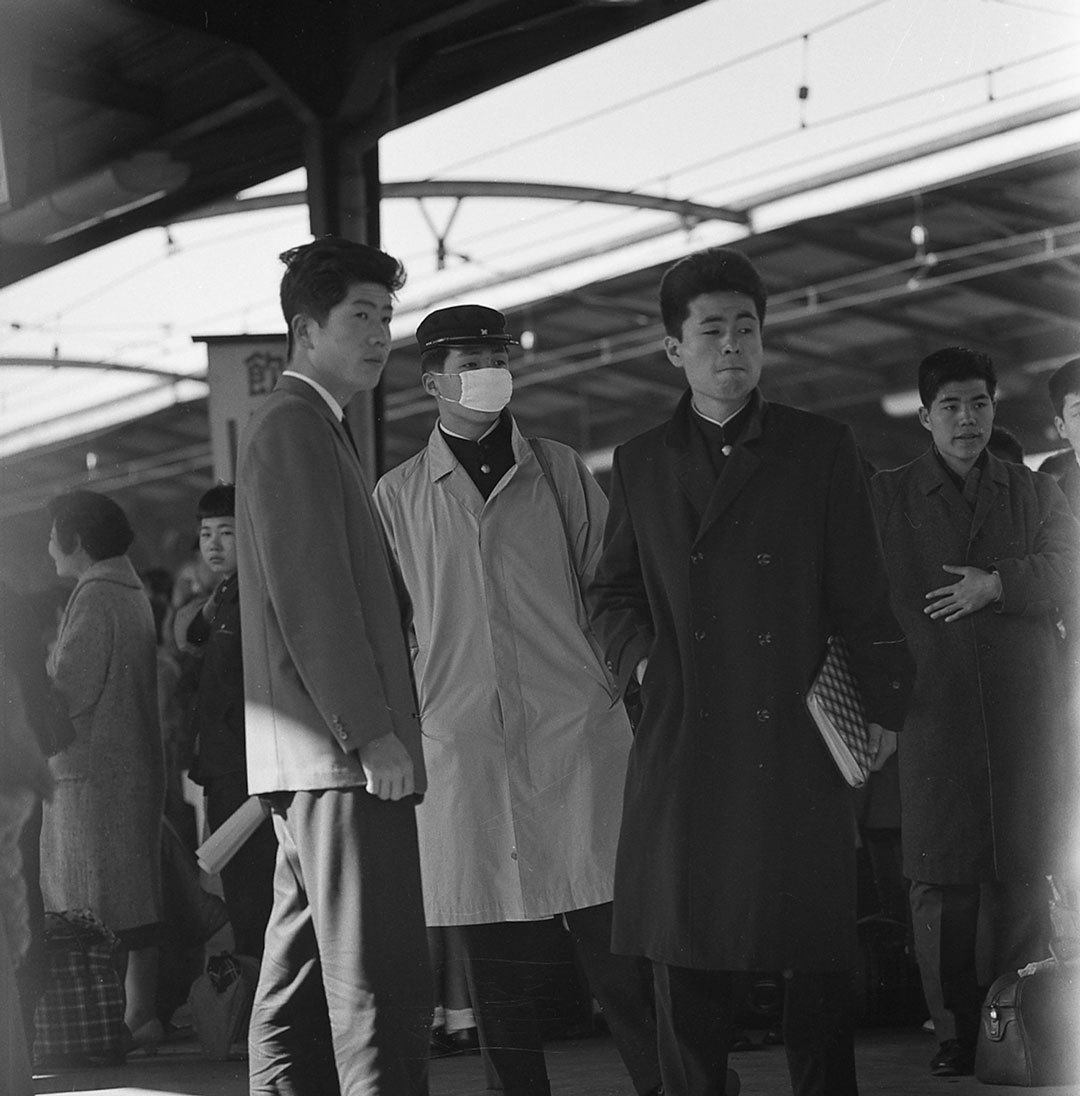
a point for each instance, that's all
(263, 370)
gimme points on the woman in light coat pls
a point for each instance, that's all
(102, 831)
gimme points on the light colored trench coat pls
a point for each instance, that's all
(525, 740)
(101, 835)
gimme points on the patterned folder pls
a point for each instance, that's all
(837, 708)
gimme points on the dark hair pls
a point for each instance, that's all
(99, 523)
(218, 502)
(1005, 445)
(318, 275)
(1064, 382)
(432, 360)
(954, 363)
(714, 270)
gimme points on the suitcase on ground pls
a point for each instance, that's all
(1029, 1031)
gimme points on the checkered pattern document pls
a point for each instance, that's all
(837, 708)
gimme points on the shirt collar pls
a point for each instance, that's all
(461, 437)
(335, 407)
(720, 422)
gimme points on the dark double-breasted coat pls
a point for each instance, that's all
(987, 757)
(737, 848)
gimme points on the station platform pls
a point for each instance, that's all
(891, 1062)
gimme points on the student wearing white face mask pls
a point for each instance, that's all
(525, 739)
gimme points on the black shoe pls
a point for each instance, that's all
(953, 1059)
(446, 1044)
(732, 1086)
(740, 1042)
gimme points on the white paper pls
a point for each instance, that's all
(221, 846)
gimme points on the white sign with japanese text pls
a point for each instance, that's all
(241, 371)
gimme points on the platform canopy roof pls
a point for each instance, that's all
(985, 255)
(120, 114)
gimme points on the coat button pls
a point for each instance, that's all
(513, 854)
(703, 713)
(894, 685)
(764, 559)
(764, 639)
(763, 715)
(699, 635)
(697, 557)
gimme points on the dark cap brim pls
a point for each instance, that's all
(471, 340)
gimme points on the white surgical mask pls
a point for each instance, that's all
(483, 389)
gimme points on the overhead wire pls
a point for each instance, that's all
(663, 89)
(786, 134)
(782, 135)
(1038, 8)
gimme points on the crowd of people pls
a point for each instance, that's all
(481, 695)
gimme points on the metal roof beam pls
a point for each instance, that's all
(490, 188)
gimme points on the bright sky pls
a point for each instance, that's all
(702, 106)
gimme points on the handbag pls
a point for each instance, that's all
(1028, 1027)
(80, 1013)
(836, 706)
(220, 1001)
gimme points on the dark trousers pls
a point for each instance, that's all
(344, 996)
(694, 1015)
(946, 920)
(508, 966)
(248, 878)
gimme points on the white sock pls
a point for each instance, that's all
(459, 1019)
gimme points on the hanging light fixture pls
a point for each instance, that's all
(110, 191)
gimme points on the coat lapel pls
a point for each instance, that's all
(737, 471)
(739, 468)
(444, 469)
(993, 478)
(696, 477)
(296, 387)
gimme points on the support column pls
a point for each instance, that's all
(343, 198)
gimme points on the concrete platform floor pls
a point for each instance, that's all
(891, 1062)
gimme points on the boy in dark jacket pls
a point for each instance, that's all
(216, 722)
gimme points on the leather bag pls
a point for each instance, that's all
(1029, 1031)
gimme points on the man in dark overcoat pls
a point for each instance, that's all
(980, 553)
(740, 538)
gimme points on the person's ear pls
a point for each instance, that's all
(673, 349)
(924, 417)
(429, 383)
(300, 325)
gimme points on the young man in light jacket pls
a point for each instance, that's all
(525, 740)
